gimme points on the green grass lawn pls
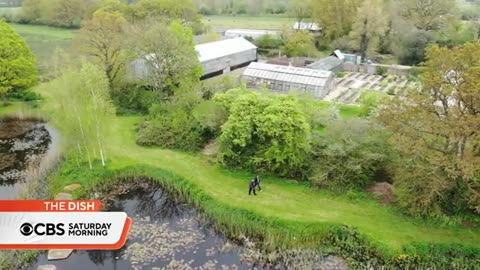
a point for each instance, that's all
(248, 22)
(285, 200)
(43, 40)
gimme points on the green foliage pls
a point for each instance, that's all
(411, 50)
(172, 125)
(25, 95)
(370, 100)
(348, 155)
(266, 133)
(63, 13)
(341, 74)
(168, 55)
(298, 43)
(370, 24)
(268, 42)
(132, 98)
(84, 109)
(381, 71)
(168, 11)
(458, 33)
(17, 63)
(220, 84)
(439, 139)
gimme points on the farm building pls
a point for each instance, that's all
(331, 63)
(253, 33)
(223, 56)
(216, 58)
(283, 79)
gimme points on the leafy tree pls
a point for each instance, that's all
(411, 50)
(349, 155)
(370, 24)
(84, 110)
(268, 42)
(103, 38)
(335, 17)
(298, 43)
(371, 100)
(68, 13)
(17, 63)
(437, 131)
(299, 9)
(182, 11)
(264, 132)
(458, 33)
(34, 10)
(428, 15)
(172, 125)
(169, 54)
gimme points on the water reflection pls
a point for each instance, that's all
(21, 144)
(165, 234)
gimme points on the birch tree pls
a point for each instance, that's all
(85, 108)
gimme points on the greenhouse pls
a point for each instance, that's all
(283, 79)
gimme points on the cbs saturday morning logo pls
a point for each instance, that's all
(61, 225)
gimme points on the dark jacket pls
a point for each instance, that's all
(252, 183)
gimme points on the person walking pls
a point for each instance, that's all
(252, 187)
(257, 182)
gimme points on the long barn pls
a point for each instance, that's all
(223, 56)
(216, 58)
(283, 79)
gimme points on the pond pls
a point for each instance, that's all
(165, 234)
(22, 143)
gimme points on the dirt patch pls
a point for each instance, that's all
(384, 191)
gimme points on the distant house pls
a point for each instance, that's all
(312, 27)
(252, 33)
(283, 79)
(216, 58)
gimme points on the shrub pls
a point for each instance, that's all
(265, 133)
(382, 71)
(268, 42)
(348, 155)
(26, 95)
(172, 125)
(341, 74)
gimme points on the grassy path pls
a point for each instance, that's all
(285, 200)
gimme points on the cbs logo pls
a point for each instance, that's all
(49, 229)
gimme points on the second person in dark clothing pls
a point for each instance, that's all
(257, 182)
(252, 186)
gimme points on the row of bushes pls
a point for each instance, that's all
(329, 239)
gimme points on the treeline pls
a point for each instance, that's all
(73, 13)
(239, 7)
(404, 28)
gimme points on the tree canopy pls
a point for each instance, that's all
(437, 130)
(17, 63)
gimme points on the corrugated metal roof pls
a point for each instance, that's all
(327, 63)
(218, 49)
(288, 74)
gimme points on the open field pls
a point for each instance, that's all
(43, 40)
(219, 22)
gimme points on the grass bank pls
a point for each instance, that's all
(282, 200)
